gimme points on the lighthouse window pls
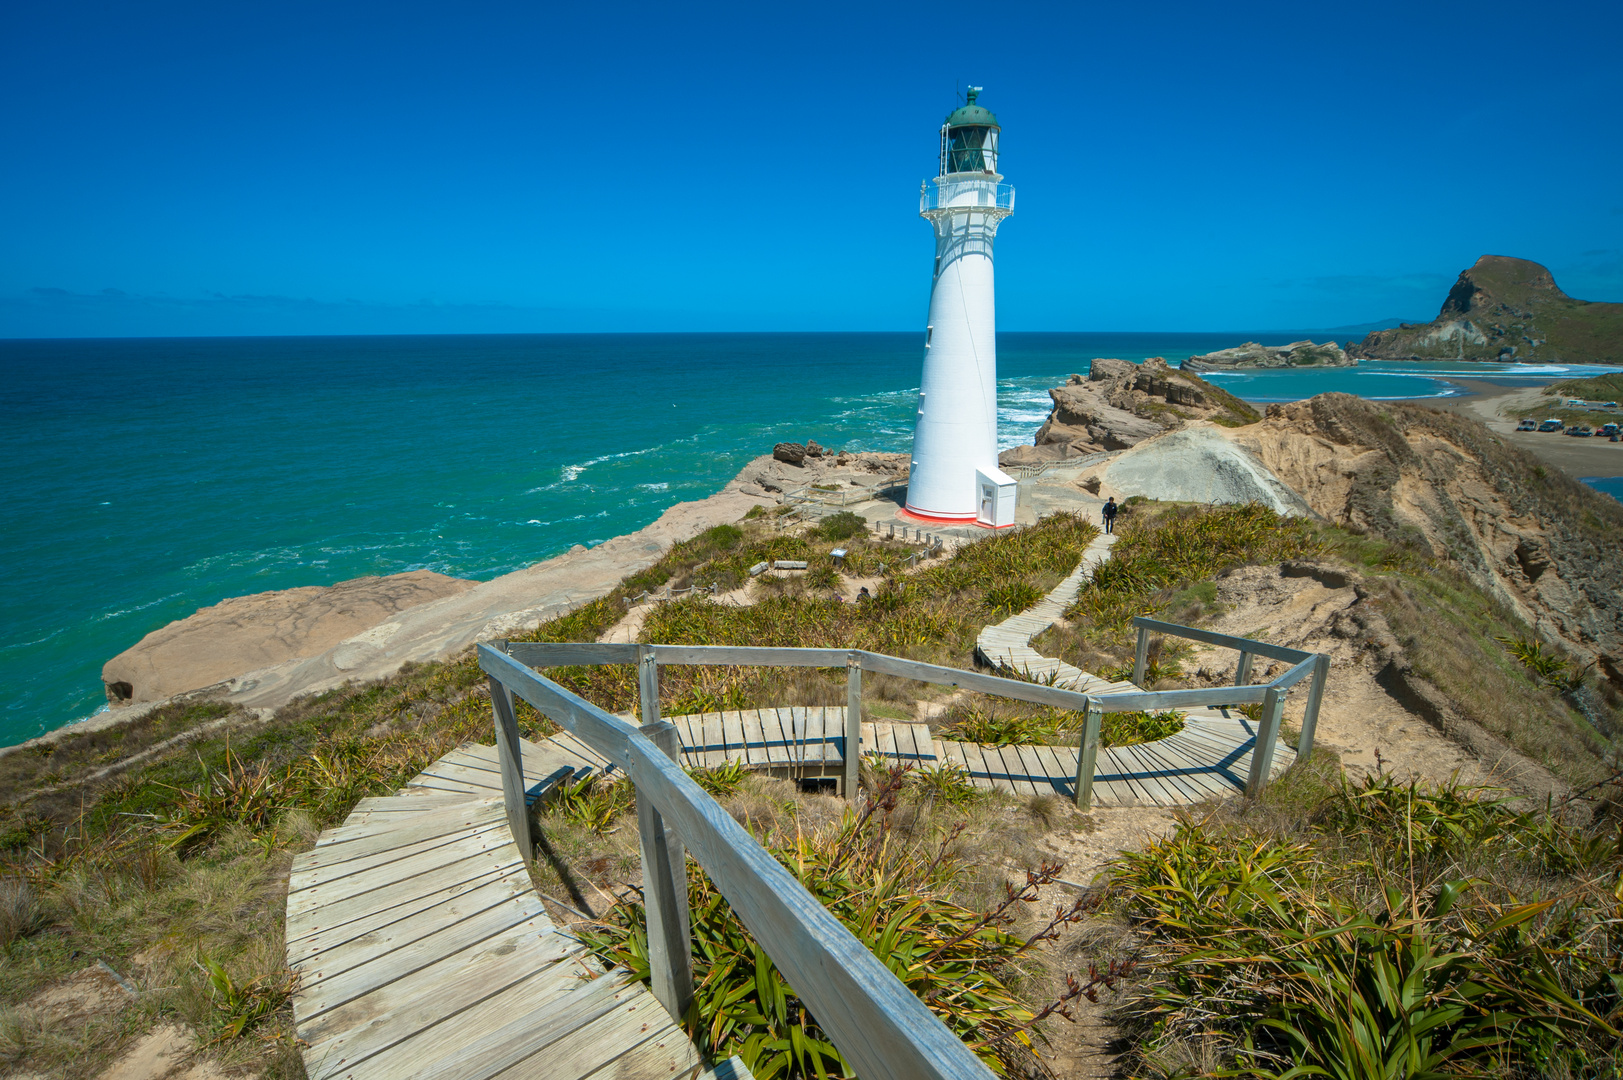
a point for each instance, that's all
(929, 332)
(972, 149)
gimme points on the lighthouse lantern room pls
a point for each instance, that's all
(954, 476)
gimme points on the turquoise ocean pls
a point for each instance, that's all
(145, 478)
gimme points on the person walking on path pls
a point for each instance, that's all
(1110, 515)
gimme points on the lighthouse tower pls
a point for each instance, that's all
(954, 476)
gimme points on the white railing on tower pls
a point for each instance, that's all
(969, 193)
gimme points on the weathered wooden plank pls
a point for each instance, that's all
(439, 786)
(403, 1028)
(392, 865)
(779, 737)
(545, 654)
(715, 741)
(466, 757)
(750, 656)
(508, 921)
(465, 813)
(1113, 771)
(461, 774)
(734, 737)
(316, 961)
(402, 804)
(665, 1052)
(457, 864)
(599, 1042)
(1228, 641)
(1193, 779)
(1145, 774)
(315, 936)
(383, 848)
(502, 1032)
(1061, 768)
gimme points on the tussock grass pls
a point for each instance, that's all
(895, 876)
(1375, 929)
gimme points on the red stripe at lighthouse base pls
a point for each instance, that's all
(927, 518)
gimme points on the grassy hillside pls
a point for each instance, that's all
(171, 867)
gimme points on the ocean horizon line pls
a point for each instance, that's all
(508, 334)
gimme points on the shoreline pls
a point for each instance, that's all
(439, 629)
(1487, 401)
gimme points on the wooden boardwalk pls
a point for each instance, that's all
(1210, 757)
(423, 951)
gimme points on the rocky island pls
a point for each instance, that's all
(1252, 355)
(1118, 405)
(1509, 310)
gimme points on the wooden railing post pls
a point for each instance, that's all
(1262, 753)
(1310, 715)
(1141, 656)
(853, 724)
(665, 890)
(1242, 670)
(648, 683)
(1087, 757)
(511, 762)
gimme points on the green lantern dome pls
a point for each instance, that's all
(969, 138)
(971, 113)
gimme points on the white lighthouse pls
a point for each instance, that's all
(954, 475)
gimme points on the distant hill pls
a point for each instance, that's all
(1509, 310)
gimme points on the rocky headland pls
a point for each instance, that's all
(1253, 355)
(1509, 310)
(266, 649)
(1541, 543)
(1120, 404)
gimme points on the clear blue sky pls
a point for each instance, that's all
(342, 167)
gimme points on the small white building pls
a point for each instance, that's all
(954, 476)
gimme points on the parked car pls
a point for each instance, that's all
(1527, 425)
(1550, 425)
(1608, 429)
(1582, 431)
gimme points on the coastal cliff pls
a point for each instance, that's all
(1540, 542)
(1509, 310)
(1119, 405)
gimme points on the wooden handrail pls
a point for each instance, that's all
(883, 1030)
(1270, 695)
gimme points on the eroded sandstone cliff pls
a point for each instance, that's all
(1119, 405)
(1541, 542)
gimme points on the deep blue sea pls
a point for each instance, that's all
(147, 478)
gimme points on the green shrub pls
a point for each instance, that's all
(842, 526)
(1379, 948)
(893, 896)
(1131, 728)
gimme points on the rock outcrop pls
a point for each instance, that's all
(262, 630)
(1509, 310)
(1120, 405)
(263, 651)
(1252, 355)
(1197, 464)
(1538, 540)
